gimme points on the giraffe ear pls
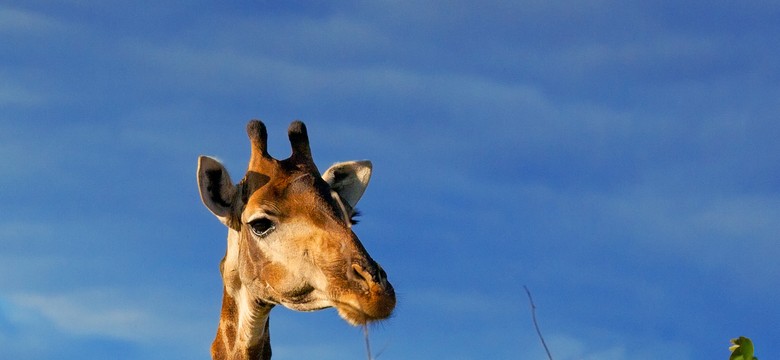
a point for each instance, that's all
(349, 179)
(216, 189)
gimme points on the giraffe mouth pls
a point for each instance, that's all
(307, 302)
(300, 295)
(306, 306)
(304, 299)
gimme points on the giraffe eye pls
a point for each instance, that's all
(262, 227)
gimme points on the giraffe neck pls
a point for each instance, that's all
(243, 330)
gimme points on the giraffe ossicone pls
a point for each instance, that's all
(290, 242)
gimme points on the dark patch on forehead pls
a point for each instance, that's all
(300, 183)
(307, 183)
(251, 182)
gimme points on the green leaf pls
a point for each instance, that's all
(741, 349)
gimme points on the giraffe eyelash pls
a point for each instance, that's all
(353, 218)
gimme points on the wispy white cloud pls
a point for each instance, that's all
(455, 303)
(610, 346)
(91, 313)
(702, 227)
(146, 317)
(16, 21)
(12, 94)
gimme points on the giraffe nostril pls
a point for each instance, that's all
(361, 273)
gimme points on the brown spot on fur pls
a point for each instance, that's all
(226, 332)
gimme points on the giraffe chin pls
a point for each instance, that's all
(360, 311)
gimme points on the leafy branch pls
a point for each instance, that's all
(741, 349)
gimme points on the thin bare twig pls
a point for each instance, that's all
(536, 325)
(368, 343)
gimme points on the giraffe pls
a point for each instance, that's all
(290, 242)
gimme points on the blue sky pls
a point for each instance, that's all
(618, 158)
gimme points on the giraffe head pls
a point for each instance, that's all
(290, 238)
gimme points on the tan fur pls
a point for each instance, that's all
(307, 259)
